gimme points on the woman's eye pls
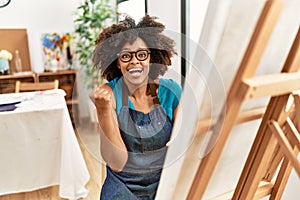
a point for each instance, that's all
(142, 55)
(125, 55)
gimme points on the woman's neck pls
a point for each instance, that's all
(137, 91)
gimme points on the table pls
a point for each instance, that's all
(38, 146)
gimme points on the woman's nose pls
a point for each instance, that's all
(134, 60)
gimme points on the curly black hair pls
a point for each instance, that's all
(113, 38)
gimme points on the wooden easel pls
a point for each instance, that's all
(272, 144)
(264, 155)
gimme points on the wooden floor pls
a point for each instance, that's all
(52, 193)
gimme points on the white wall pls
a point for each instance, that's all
(134, 8)
(168, 12)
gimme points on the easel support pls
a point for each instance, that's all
(237, 95)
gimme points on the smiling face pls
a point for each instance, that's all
(134, 61)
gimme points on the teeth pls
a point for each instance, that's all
(135, 70)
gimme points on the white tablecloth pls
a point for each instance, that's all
(38, 146)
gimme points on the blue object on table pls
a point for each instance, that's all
(4, 66)
(9, 106)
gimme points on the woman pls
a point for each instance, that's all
(137, 108)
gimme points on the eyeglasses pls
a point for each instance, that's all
(141, 55)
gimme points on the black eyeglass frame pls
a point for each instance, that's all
(135, 53)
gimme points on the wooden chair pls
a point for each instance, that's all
(29, 86)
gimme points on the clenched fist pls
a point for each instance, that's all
(102, 98)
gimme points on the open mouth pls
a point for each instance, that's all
(136, 71)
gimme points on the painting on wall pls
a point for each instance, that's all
(57, 51)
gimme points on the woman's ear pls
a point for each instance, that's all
(118, 65)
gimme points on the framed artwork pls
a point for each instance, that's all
(57, 51)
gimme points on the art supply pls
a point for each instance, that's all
(18, 62)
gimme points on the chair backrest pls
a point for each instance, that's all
(29, 86)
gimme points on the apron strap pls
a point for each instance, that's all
(125, 93)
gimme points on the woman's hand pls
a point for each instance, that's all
(102, 98)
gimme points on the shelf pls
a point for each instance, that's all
(8, 82)
(67, 82)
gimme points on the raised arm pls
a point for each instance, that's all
(113, 149)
